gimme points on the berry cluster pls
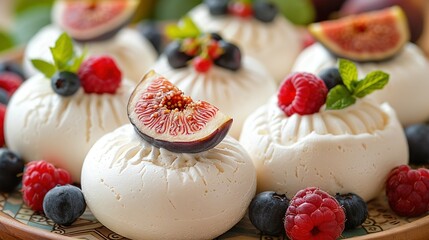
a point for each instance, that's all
(203, 51)
(11, 77)
(262, 10)
(310, 214)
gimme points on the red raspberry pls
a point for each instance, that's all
(302, 93)
(99, 75)
(407, 191)
(40, 177)
(314, 214)
(2, 115)
(240, 9)
(201, 64)
(10, 82)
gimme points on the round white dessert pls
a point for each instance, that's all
(132, 52)
(408, 84)
(340, 151)
(41, 124)
(143, 192)
(235, 93)
(275, 44)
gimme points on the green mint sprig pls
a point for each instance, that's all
(342, 96)
(65, 58)
(186, 28)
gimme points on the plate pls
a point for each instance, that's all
(18, 221)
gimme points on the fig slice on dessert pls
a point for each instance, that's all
(372, 36)
(93, 20)
(166, 118)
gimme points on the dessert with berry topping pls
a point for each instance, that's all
(207, 67)
(172, 173)
(98, 26)
(58, 115)
(346, 143)
(256, 27)
(378, 40)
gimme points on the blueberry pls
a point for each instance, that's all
(267, 211)
(151, 31)
(12, 67)
(176, 58)
(65, 83)
(64, 204)
(4, 96)
(231, 58)
(331, 77)
(264, 11)
(355, 209)
(217, 7)
(215, 36)
(11, 169)
(418, 142)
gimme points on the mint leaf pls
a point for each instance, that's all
(185, 29)
(348, 72)
(339, 97)
(373, 81)
(48, 69)
(62, 52)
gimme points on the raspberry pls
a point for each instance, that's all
(302, 93)
(40, 177)
(99, 75)
(10, 82)
(407, 191)
(202, 64)
(2, 115)
(314, 214)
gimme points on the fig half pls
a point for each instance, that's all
(166, 118)
(93, 20)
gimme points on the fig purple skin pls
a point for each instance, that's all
(326, 8)
(414, 9)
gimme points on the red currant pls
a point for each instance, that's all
(213, 49)
(201, 64)
(241, 9)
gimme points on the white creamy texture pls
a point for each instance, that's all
(408, 85)
(143, 192)
(132, 52)
(340, 151)
(235, 93)
(40, 124)
(275, 44)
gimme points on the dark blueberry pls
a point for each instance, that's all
(11, 169)
(331, 77)
(151, 31)
(12, 67)
(215, 36)
(264, 11)
(65, 83)
(4, 96)
(355, 209)
(231, 58)
(217, 7)
(267, 211)
(64, 204)
(418, 142)
(176, 58)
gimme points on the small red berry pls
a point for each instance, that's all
(40, 177)
(10, 81)
(201, 64)
(407, 191)
(214, 50)
(302, 93)
(2, 115)
(314, 214)
(99, 75)
(240, 9)
(190, 46)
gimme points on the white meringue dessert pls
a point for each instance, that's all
(340, 151)
(42, 125)
(408, 85)
(144, 192)
(132, 52)
(237, 93)
(275, 44)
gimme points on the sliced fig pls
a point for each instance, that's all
(93, 20)
(166, 118)
(372, 36)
